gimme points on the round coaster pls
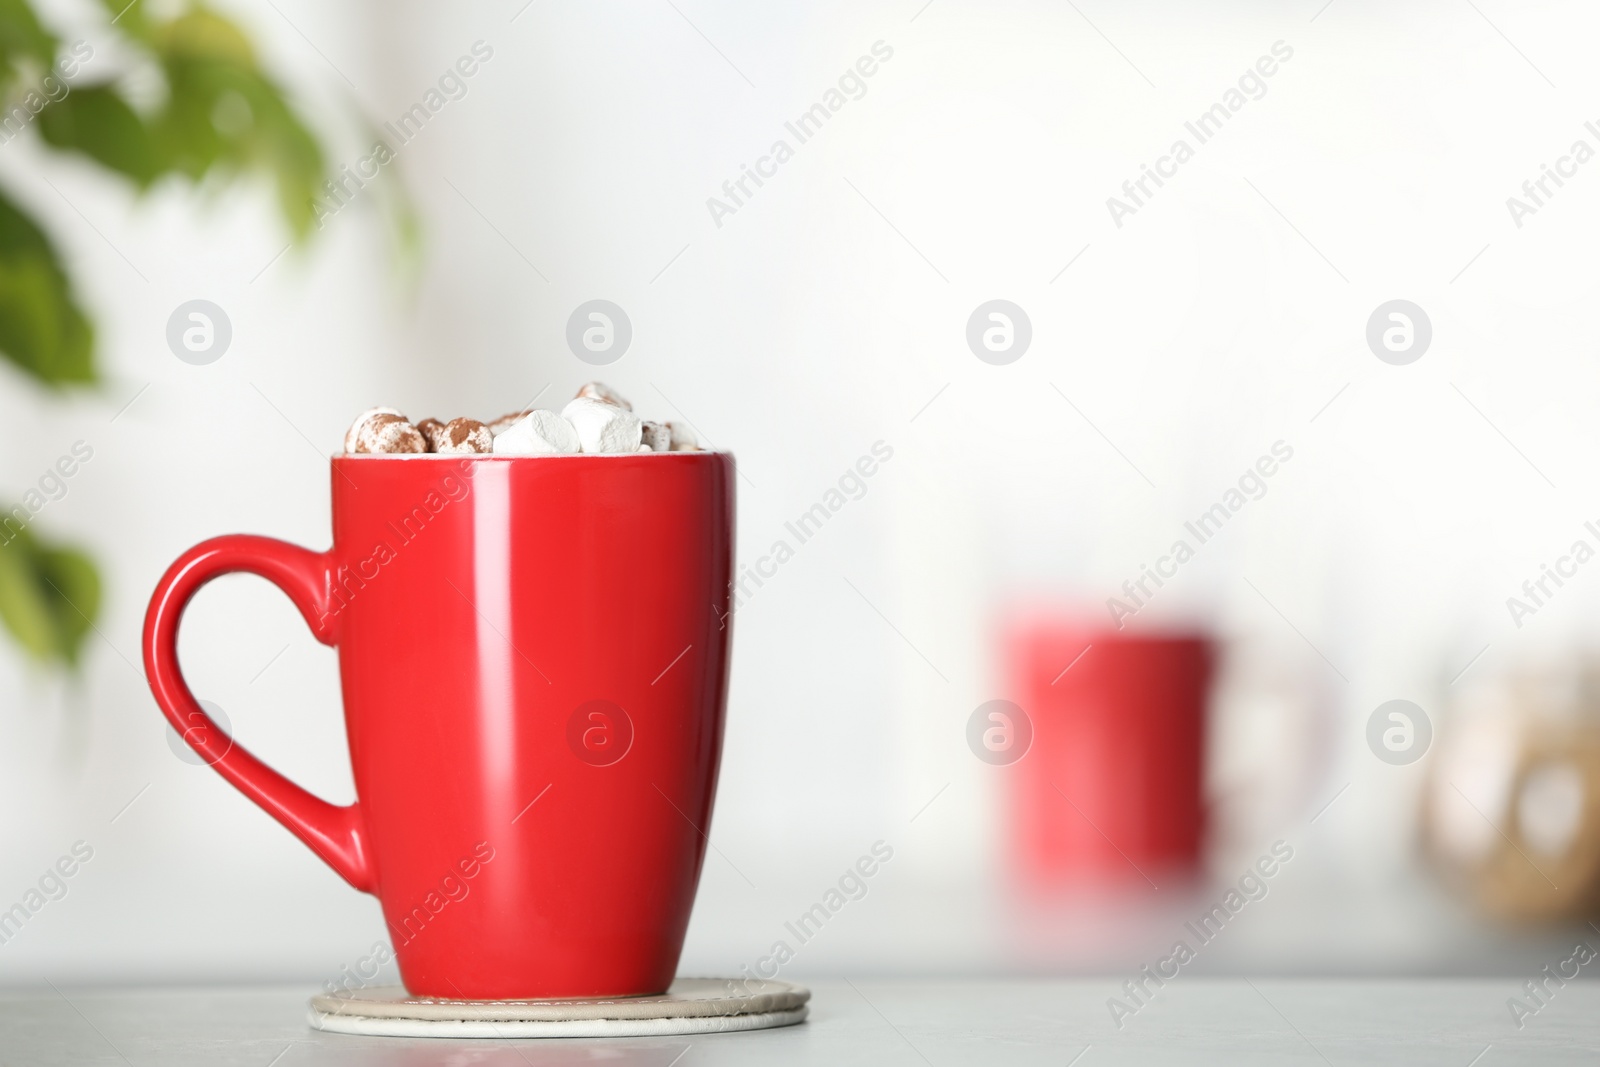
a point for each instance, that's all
(691, 1006)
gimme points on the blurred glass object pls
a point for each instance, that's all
(1511, 813)
(1271, 747)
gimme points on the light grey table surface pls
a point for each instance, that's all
(1189, 1021)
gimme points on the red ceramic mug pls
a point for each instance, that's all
(534, 659)
(1111, 791)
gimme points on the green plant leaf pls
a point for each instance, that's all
(221, 116)
(73, 597)
(42, 329)
(98, 122)
(49, 594)
(22, 39)
(222, 113)
(22, 607)
(200, 33)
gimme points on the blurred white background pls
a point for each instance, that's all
(828, 313)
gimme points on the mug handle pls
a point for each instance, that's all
(338, 835)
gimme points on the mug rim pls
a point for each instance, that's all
(477, 457)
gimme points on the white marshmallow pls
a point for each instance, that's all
(656, 436)
(462, 437)
(542, 433)
(353, 435)
(505, 422)
(604, 393)
(603, 427)
(683, 439)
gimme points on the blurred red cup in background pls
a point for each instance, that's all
(1110, 792)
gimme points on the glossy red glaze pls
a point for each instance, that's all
(524, 841)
